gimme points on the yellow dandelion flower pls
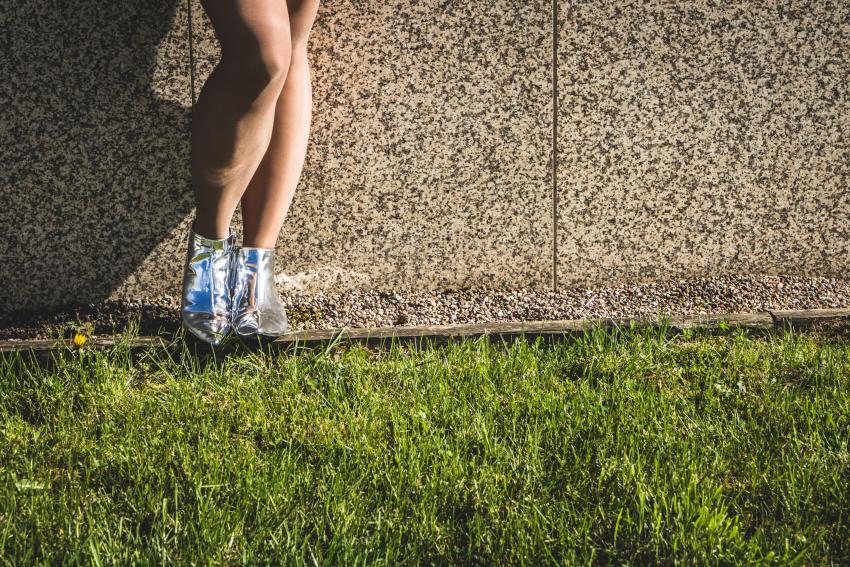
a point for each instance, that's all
(80, 339)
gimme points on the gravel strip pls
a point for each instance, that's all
(474, 305)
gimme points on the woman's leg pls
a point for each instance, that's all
(234, 116)
(269, 193)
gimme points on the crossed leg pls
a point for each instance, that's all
(266, 201)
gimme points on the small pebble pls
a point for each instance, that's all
(472, 305)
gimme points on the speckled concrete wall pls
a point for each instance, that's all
(694, 138)
(431, 156)
(700, 138)
(94, 152)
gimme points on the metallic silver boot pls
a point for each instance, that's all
(256, 307)
(205, 303)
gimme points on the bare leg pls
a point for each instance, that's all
(234, 115)
(266, 201)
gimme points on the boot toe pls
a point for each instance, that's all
(246, 324)
(273, 323)
(206, 327)
(267, 322)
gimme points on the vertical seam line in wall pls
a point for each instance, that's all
(191, 52)
(554, 68)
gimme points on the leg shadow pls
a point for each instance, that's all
(94, 147)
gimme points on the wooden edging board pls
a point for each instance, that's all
(761, 320)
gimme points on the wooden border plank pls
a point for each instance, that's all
(804, 318)
(760, 320)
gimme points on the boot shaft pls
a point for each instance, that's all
(255, 304)
(205, 299)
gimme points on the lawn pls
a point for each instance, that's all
(634, 446)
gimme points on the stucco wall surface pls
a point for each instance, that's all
(499, 143)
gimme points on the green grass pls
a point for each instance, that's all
(626, 447)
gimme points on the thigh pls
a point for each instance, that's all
(245, 25)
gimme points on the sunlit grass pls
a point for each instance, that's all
(630, 446)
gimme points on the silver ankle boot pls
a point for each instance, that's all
(205, 303)
(256, 308)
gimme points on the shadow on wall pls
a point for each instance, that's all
(94, 151)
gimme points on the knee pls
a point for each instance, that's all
(262, 61)
(272, 58)
(302, 17)
(299, 39)
(299, 49)
(299, 52)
